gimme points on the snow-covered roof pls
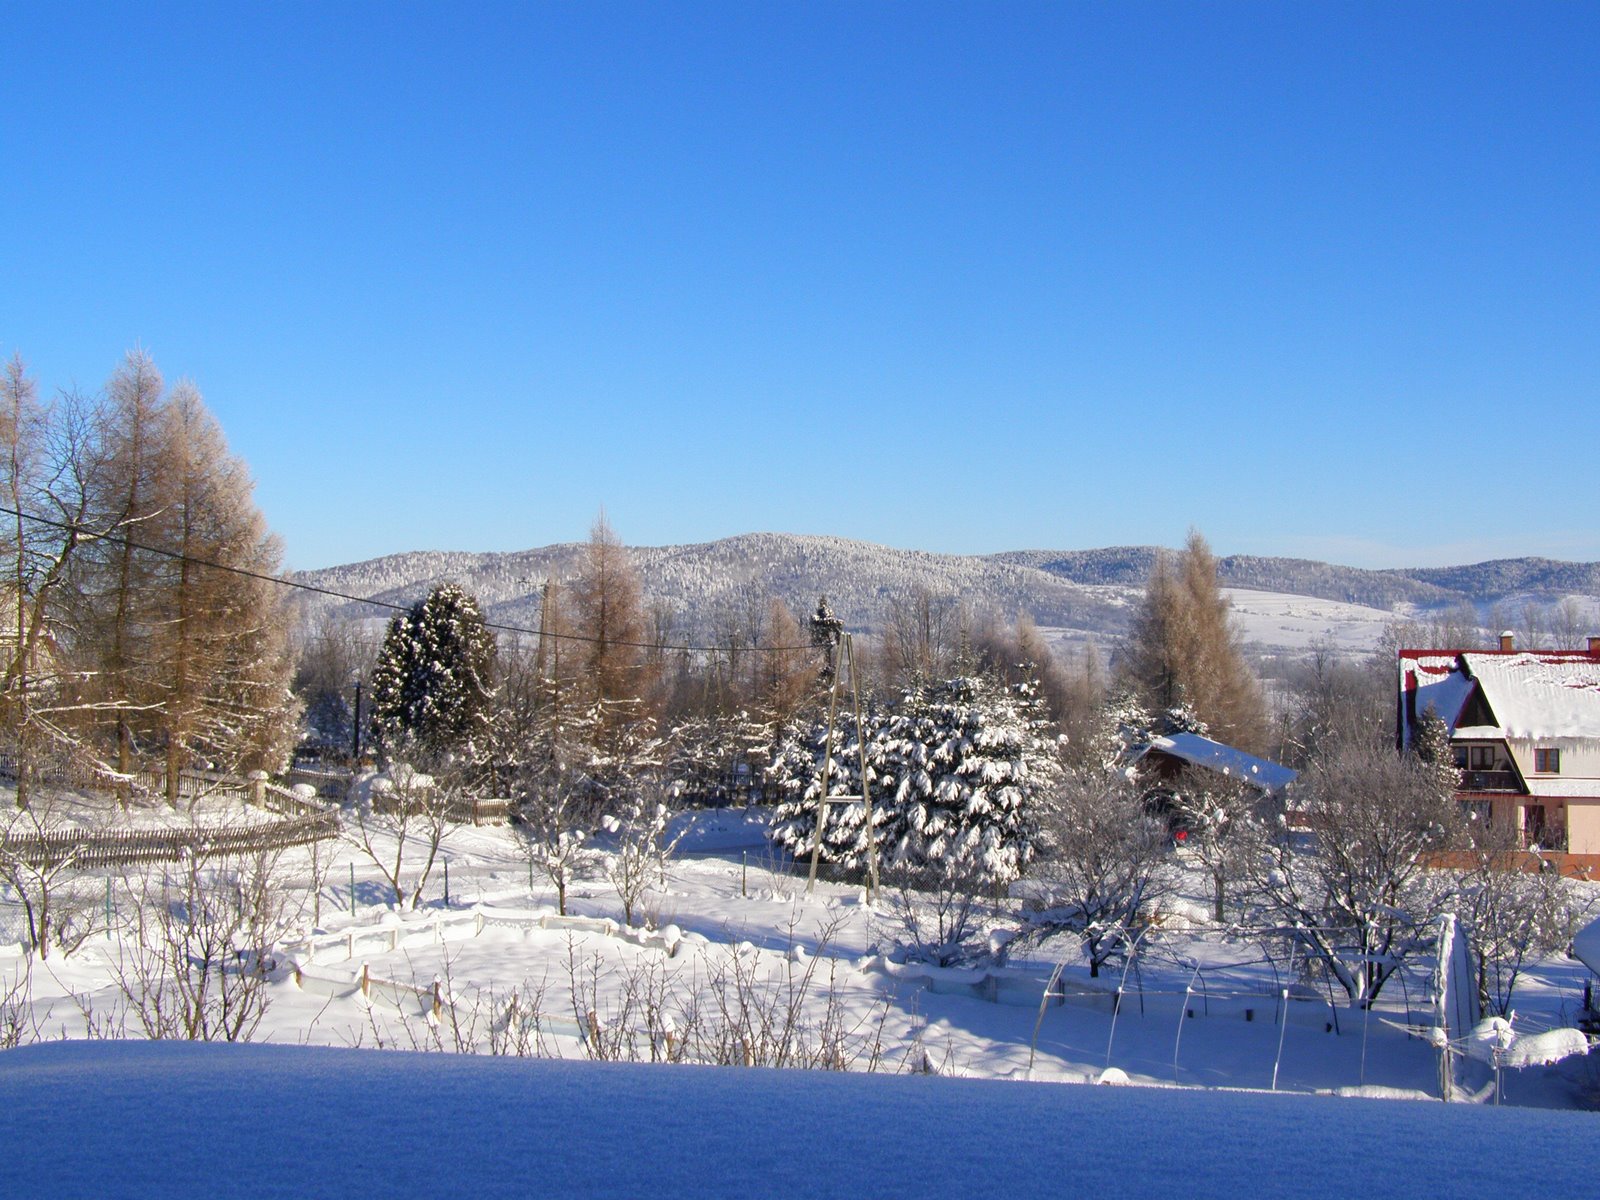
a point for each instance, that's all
(1225, 760)
(1436, 679)
(1532, 693)
(1564, 787)
(1541, 694)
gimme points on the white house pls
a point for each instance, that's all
(1525, 729)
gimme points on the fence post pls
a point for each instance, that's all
(366, 981)
(258, 788)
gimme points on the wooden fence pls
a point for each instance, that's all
(88, 849)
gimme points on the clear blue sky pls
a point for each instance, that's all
(1318, 279)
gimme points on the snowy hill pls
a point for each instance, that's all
(176, 1120)
(1082, 594)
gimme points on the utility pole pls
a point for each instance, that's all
(845, 658)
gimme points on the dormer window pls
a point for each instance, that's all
(1482, 758)
(1547, 761)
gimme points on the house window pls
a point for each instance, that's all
(1459, 754)
(1547, 761)
(1482, 758)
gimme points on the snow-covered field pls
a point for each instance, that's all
(1283, 623)
(1272, 623)
(737, 934)
(178, 1120)
(948, 1089)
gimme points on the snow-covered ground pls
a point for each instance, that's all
(1273, 623)
(177, 1120)
(1279, 622)
(737, 934)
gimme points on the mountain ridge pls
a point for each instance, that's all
(706, 586)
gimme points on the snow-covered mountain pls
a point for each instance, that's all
(1282, 603)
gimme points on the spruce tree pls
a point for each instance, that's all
(1430, 741)
(955, 770)
(963, 761)
(433, 680)
(796, 775)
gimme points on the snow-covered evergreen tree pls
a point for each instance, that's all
(1430, 741)
(954, 770)
(1124, 723)
(432, 682)
(1181, 718)
(963, 761)
(795, 774)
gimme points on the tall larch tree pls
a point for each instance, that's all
(1184, 651)
(221, 660)
(130, 493)
(607, 610)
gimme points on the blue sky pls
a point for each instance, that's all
(1320, 280)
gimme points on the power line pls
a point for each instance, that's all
(178, 556)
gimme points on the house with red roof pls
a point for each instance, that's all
(1525, 731)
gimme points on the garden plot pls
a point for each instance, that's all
(745, 966)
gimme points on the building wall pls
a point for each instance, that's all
(1580, 757)
(1583, 826)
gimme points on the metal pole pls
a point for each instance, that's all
(355, 750)
(744, 873)
(1283, 997)
(447, 883)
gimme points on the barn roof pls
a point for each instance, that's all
(1225, 760)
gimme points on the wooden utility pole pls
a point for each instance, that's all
(845, 657)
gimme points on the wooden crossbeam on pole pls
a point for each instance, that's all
(844, 658)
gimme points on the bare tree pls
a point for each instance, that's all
(1512, 907)
(1216, 813)
(1345, 872)
(1335, 702)
(643, 844)
(937, 907)
(197, 966)
(52, 458)
(399, 821)
(924, 633)
(555, 807)
(39, 861)
(1104, 865)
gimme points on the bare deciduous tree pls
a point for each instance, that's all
(1216, 813)
(643, 845)
(1512, 907)
(399, 821)
(196, 967)
(1103, 865)
(41, 867)
(1345, 873)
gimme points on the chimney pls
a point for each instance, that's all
(1507, 639)
(1594, 644)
